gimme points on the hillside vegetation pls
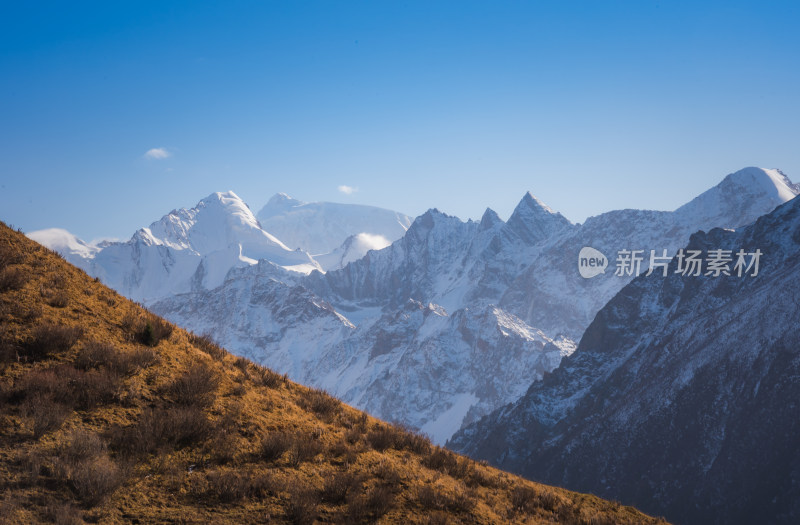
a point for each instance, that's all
(109, 414)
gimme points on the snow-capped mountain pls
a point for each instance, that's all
(682, 395)
(65, 243)
(322, 227)
(549, 294)
(431, 310)
(352, 249)
(194, 249)
(397, 356)
(449, 322)
(187, 249)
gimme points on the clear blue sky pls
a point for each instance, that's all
(459, 105)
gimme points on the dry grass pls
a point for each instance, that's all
(110, 414)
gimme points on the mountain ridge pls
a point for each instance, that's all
(684, 382)
(110, 414)
(474, 272)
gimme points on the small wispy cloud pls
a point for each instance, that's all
(347, 190)
(157, 154)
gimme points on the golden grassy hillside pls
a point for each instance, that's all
(108, 414)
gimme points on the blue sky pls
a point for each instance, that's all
(591, 105)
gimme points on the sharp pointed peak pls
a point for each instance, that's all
(489, 219)
(529, 200)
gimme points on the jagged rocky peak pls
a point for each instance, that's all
(534, 221)
(677, 378)
(489, 220)
(428, 221)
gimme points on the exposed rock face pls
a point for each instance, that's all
(682, 396)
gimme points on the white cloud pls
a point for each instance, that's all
(157, 154)
(347, 190)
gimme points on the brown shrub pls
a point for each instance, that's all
(32, 466)
(195, 387)
(9, 254)
(43, 382)
(263, 484)
(8, 352)
(94, 479)
(146, 328)
(381, 438)
(239, 390)
(64, 383)
(12, 278)
(223, 446)
(62, 513)
(45, 415)
(437, 517)
(93, 388)
(228, 486)
(303, 506)
(340, 485)
(95, 354)
(430, 498)
(448, 463)
(398, 437)
(600, 519)
(462, 500)
(242, 363)
(206, 344)
(304, 448)
(159, 429)
(266, 377)
(339, 448)
(372, 505)
(527, 500)
(388, 473)
(353, 435)
(134, 360)
(27, 313)
(273, 445)
(479, 477)
(58, 299)
(81, 445)
(51, 339)
(321, 403)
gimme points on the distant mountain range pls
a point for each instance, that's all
(682, 397)
(109, 414)
(451, 321)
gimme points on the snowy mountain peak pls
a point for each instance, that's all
(278, 204)
(232, 205)
(489, 220)
(428, 221)
(746, 194)
(217, 222)
(64, 242)
(531, 200)
(533, 221)
(322, 227)
(772, 182)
